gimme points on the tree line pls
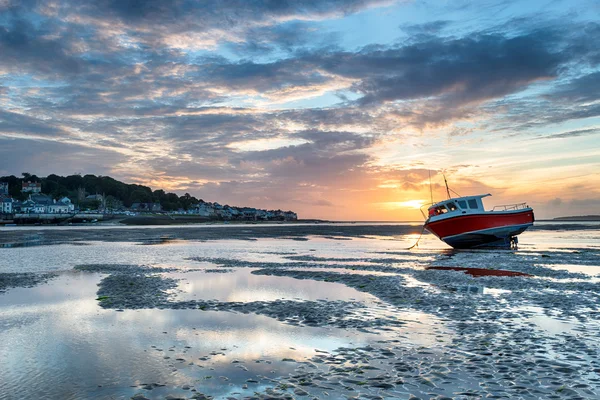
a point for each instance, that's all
(114, 191)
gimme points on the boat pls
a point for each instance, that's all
(463, 222)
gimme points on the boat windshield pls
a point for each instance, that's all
(451, 206)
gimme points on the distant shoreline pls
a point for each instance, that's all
(578, 218)
(169, 220)
(189, 219)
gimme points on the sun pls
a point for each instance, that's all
(411, 204)
(414, 204)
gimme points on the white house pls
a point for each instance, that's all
(39, 208)
(65, 201)
(6, 205)
(59, 208)
(205, 210)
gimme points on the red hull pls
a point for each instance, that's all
(486, 229)
(462, 224)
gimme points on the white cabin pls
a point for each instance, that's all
(458, 205)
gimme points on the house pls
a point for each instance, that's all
(39, 209)
(3, 188)
(278, 215)
(261, 214)
(41, 199)
(290, 216)
(147, 207)
(6, 204)
(249, 213)
(38, 203)
(23, 207)
(97, 197)
(31, 187)
(58, 208)
(224, 212)
(235, 213)
(65, 201)
(61, 206)
(205, 210)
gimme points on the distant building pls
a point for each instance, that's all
(6, 204)
(37, 203)
(204, 210)
(249, 213)
(261, 214)
(224, 212)
(41, 199)
(61, 206)
(31, 187)
(4, 188)
(23, 207)
(148, 207)
(290, 216)
(97, 197)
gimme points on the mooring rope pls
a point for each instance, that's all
(417, 242)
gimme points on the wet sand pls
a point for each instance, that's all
(297, 312)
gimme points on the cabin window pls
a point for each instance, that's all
(462, 204)
(437, 210)
(473, 203)
(451, 206)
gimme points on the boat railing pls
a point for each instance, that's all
(510, 207)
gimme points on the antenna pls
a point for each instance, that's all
(430, 189)
(447, 190)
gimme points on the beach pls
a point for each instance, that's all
(282, 311)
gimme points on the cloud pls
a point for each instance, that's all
(445, 76)
(425, 29)
(23, 46)
(289, 37)
(188, 24)
(460, 71)
(21, 124)
(582, 89)
(42, 157)
(570, 134)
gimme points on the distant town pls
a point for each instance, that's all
(56, 197)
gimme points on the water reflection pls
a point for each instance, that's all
(55, 339)
(241, 285)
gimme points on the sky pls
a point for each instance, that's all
(341, 110)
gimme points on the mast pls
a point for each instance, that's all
(430, 189)
(447, 190)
